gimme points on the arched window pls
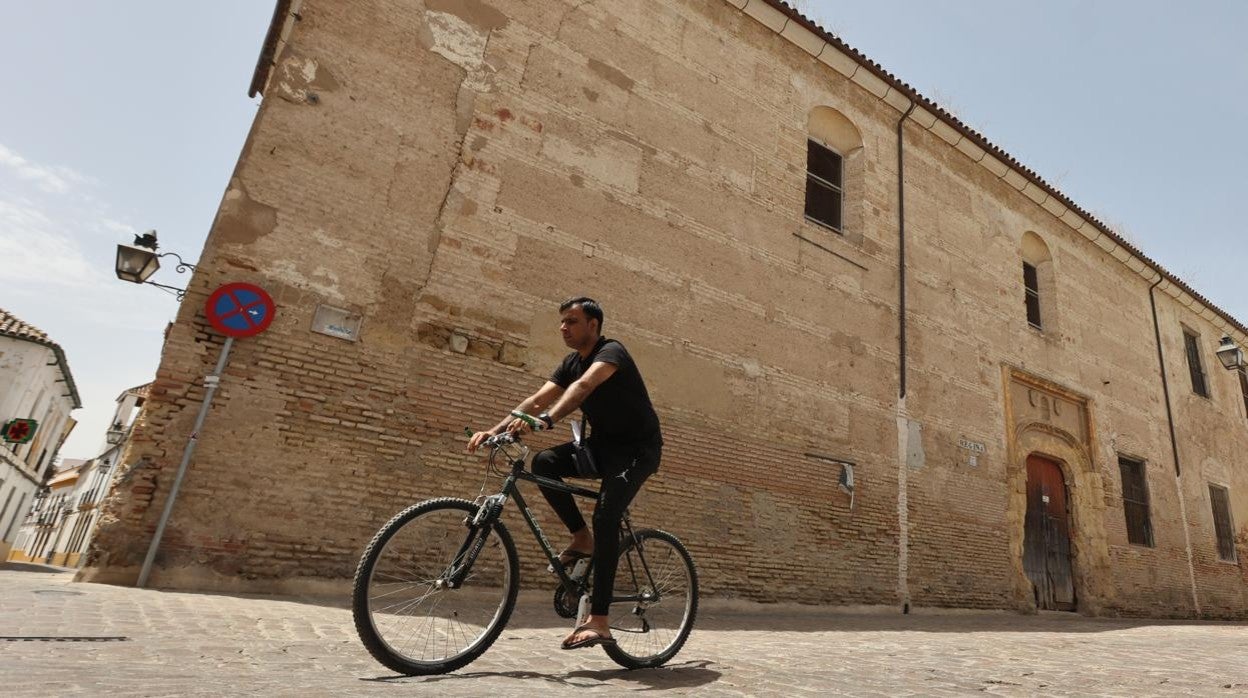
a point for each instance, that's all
(832, 144)
(1039, 286)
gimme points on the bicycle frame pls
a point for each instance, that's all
(491, 509)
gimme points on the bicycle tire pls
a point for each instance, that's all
(384, 651)
(652, 541)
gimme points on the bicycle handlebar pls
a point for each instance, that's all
(502, 439)
(497, 440)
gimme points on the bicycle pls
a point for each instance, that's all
(438, 582)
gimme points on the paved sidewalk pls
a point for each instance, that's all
(212, 644)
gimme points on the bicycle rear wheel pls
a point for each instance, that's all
(406, 615)
(657, 576)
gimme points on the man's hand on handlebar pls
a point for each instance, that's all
(485, 438)
(521, 424)
(477, 439)
(518, 426)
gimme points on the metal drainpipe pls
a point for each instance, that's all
(903, 421)
(1165, 383)
(1174, 447)
(901, 235)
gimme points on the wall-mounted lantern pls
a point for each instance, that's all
(115, 435)
(136, 263)
(1231, 356)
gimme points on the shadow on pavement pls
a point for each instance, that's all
(32, 567)
(682, 675)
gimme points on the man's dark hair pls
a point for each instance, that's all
(589, 306)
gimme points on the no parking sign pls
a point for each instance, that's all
(240, 309)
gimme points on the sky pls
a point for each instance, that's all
(117, 117)
(125, 116)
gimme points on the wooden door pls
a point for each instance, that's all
(1046, 540)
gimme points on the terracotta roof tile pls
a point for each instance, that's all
(140, 390)
(12, 326)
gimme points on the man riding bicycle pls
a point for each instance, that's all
(600, 378)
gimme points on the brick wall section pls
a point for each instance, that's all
(452, 170)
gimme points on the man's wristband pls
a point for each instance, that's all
(549, 421)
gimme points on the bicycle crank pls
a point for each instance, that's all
(566, 602)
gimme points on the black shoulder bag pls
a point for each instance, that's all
(585, 466)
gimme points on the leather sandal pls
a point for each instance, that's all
(597, 639)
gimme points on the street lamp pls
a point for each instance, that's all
(1231, 356)
(136, 263)
(115, 435)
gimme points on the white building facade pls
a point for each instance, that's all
(62, 521)
(35, 383)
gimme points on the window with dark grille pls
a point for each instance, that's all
(823, 185)
(1243, 387)
(1221, 501)
(1031, 286)
(1192, 343)
(1135, 502)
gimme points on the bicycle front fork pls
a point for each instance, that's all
(478, 533)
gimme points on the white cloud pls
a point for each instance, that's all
(118, 227)
(37, 251)
(54, 180)
(59, 254)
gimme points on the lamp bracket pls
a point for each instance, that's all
(182, 266)
(180, 292)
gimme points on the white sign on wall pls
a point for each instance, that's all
(337, 322)
(974, 450)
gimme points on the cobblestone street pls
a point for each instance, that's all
(213, 644)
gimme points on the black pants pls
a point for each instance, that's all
(624, 469)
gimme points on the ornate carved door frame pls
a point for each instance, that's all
(1046, 419)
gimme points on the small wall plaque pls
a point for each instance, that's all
(337, 322)
(975, 450)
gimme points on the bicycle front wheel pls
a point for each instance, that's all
(405, 612)
(656, 587)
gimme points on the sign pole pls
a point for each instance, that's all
(235, 310)
(210, 383)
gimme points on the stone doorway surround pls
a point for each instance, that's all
(1046, 419)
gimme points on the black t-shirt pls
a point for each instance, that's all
(619, 409)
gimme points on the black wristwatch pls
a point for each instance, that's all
(550, 423)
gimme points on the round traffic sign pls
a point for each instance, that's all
(240, 309)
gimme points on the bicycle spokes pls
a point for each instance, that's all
(435, 588)
(655, 600)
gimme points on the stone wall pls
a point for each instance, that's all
(453, 170)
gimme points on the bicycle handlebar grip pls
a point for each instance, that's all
(534, 423)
